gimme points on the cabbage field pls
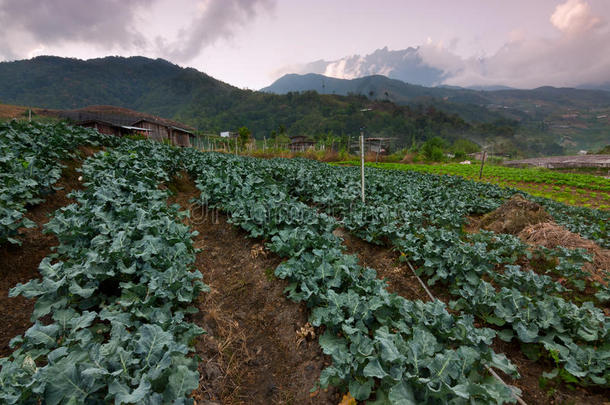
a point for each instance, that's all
(112, 319)
(571, 188)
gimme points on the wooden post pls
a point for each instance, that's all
(30, 115)
(362, 165)
(482, 163)
(264, 143)
(378, 149)
(236, 145)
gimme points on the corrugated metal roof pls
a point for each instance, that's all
(135, 128)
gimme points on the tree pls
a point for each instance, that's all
(244, 135)
(433, 149)
(465, 146)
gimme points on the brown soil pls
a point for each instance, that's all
(514, 215)
(551, 235)
(551, 394)
(19, 264)
(259, 348)
(385, 261)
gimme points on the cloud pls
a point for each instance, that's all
(574, 16)
(113, 25)
(34, 23)
(217, 20)
(579, 54)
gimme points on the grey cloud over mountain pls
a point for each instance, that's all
(579, 54)
(405, 64)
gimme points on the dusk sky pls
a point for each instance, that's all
(520, 43)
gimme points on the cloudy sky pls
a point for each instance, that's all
(248, 43)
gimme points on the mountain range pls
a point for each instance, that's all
(530, 122)
(513, 103)
(158, 87)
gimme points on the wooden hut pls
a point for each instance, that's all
(160, 131)
(109, 128)
(300, 143)
(377, 145)
(120, 121)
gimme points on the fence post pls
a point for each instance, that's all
(362, 165)
(482, 163)
(378, 149)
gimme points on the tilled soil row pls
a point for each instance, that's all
(259, 347)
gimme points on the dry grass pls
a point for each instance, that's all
(514, 215)
(12, 111)
(320, 155)
(231, 350)
(551, 235)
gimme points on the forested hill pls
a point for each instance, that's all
(159, 87)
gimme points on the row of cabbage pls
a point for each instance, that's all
(384, 347)
(112, 304)
(30, 164)
(423, 216)
(502, 173)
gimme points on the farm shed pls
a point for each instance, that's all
(121, 121)
(300, 143)
(110, 128)
(180, 136)
(228, 134)
(377, 145)
(160, 130)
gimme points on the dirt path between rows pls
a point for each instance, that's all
(401, 281)
(19, 264)
(257, 349)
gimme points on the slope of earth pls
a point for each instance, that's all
(259, 348)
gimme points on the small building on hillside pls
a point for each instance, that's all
(160, 131)
(300, 143)
(119, 121)
(229, 134)
(109, 128)
(377, 145)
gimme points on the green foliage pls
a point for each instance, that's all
(244, 135)
(30, 164)
(161, 88)
(379, 342)
(411, 211)
(137, 137)
(110, 316)
(111, 306)
(433, 149)
(464, 146)
(515, 177)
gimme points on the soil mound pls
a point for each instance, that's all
(514, 215)
(551, 235)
